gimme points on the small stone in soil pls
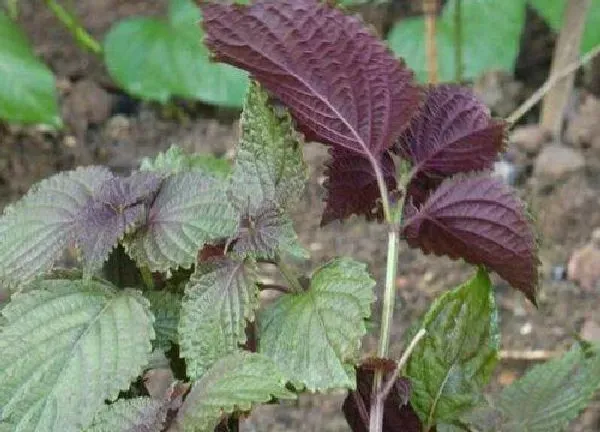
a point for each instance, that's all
(556, 161)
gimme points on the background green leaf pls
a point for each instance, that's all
(553, 11)
(157, 59)
(314, 336)
(234, 383)
(491, 31)
(68, 346)
(552, 394)
(27, 87)
(219, 298)
(449, 368)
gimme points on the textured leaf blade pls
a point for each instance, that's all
(119, 205)
(236, 382)
(166, 307)
(451, 365)
(482, 49)
(175, 160)
(479, 219)
(219, 298)
(156, 59)
(314, 336)
(552, 394)
(352, 186)
(452, 133)
(142, 414)
(341, 85)
(190, 210)
(268, 235)
(27, 89)
(269, 165)
(67, 346)
(36, 229)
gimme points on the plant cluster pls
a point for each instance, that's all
(161, 327)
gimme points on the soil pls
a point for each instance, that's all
(107, 127)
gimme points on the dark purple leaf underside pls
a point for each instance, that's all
(479, 219)
(452, 133)
(398, 415)
(341, 84)
(117, 206)
(352, 186)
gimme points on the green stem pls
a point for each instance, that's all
(72, 24)
(12, 9)
(290, 277)
(458, 48)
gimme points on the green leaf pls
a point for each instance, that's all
(552, 394)
(166, 307)
(190, 210)
(234, 383)
(68, 346)
(315, 336)
(141, 414)
(35, 230)
(552, 11)
(219, 298)
(483, 49)
(27, 88)
(175, 160)
(451, 365)
(157, 59)
(269, 166)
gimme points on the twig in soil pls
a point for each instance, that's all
(74, 26)
(430, 11)
(547, 86)
(528, 355)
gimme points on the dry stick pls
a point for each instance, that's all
(550, 82)
(528, 355)
(430, 11)
(566, 52)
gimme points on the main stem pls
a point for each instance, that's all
(72, 24)
(389, 296)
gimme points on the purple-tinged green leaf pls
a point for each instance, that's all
(119, 205)
(352, 186)
(219, 298)
(189, 210)
(341, 84)
(268, 235)
(479, 219)
(452, 133)
(35, 230)
(398, 414)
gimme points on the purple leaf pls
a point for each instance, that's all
(398, 414)
(268, 234)
(341, 84)
(452, 133)
(118, 206)
(352, 186)
(479, 219)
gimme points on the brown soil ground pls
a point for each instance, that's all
(128, 130)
